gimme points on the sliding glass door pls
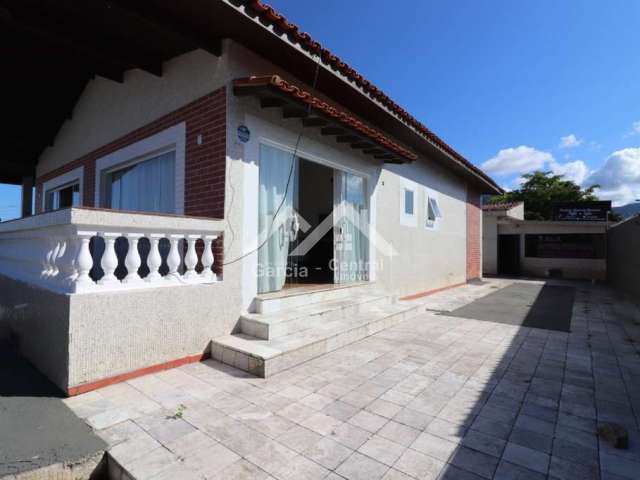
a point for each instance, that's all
(351, 224)
(278, 179)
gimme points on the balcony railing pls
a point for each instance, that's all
(80, 250)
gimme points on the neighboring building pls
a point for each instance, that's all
(173, 219)
(567, 249)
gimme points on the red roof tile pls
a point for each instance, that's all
(341, 116)
(268, 14)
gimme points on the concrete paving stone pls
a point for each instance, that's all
(434, 446)
(397, 397)
(328, 453)
(447, 430)
(301, 467)
(357, 399)
(616, 465)
(562, 469)
(340, 410)
(164, 428)
(299, 438)
(296, 412)
(382, 450)
(333, 390)
(151, 463)
(534, 424)
(272, 457)
(578, 423)
(418, 465)
(586, 439)
(384, 408)
(190, 442)
(120, 432)
(511, 471)
(475, 462)
(484, 443)
(316, 401)
(321, 423)
(567, 449)
(272, 426)
(393, 474)
(350, 435)
(293, 392)
(498, 414)
(491, 427)
(399, 433)
(368, 421)
(413, 418)
(240, 470)
(110, 417)
(134, 448)
(361, 467)
(526, 457)
(210, 460)
(450, 472)
(542, 413)
(530, 439)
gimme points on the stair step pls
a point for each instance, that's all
(304, 295)
(264, 358)
(278, 324)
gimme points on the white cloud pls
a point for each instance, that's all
(520, 159)
(569, 141)
(619, 177)
(635, 129)
(576, 171)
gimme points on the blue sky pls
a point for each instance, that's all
(501, 81)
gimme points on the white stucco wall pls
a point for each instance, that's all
(576, 268)
(489, 244)
(427, 258)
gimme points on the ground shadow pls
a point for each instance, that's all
(526, 305)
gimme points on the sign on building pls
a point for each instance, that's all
(581, 211)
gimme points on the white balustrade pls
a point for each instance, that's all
(62, 251)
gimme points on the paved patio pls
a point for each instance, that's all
(434, 397)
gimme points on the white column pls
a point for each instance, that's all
(132, 261)
(191, 258)
(207, 259)
(174, 259)
(154, 260)
(109, 261)
(84, 262)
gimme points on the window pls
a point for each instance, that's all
(432, 211)
(146, 185)
(566, 245)
(408, 201)
(62, 197)
(408, 205)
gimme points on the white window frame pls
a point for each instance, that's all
(432, 224)
(406, 219)
(62, 181)
(171, 139)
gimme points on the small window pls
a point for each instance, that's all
(408, 202)
(63, 197)
(433, 211)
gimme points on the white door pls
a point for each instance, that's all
(350, 228)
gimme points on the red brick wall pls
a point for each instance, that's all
(474, 235)
(204, 164)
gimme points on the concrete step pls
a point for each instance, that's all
(305, 295)
(285, 322)
(265, 358)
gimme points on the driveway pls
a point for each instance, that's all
(437, 396)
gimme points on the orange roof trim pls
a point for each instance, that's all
(268, 14)
(324, 107)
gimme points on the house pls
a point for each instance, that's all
(211, 181)
(570, 247)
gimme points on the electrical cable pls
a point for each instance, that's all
(286, 190)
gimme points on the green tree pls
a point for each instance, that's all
(541, 189)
